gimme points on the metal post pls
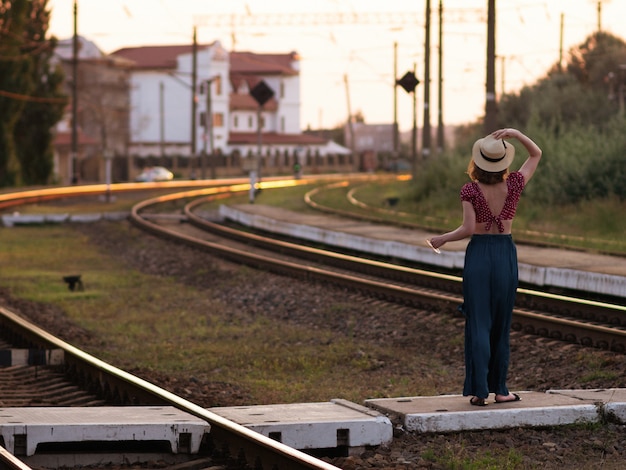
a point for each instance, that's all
(414, 133)
(108, 157)
(490, 123)
(205, 137)
(74, 154)
(395, 103)
(209, 110)
(162, 120)
(440, 128)
(259, 162)
(426, 124)
(194, 96)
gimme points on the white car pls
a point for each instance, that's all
(155, 173)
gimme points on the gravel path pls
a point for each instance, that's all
(537, 364)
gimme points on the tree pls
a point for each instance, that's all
(578, 95)
(574, 115)
(593, 60)
(15, 83)
(30, 98)
(33, 132)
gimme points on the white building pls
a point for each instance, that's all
(161, 102)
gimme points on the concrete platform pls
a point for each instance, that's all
(537, 266)
(324, 425)
(453, 413)
(23, 429)
(11, 220)
(611, 400)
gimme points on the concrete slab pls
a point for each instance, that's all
(598, 395)
(314, 425)
(611, 400)
(85, 218)
(37, 425)
(10, 220)
(451, 413)
(537, 266)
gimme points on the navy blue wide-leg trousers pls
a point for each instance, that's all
(490, 279)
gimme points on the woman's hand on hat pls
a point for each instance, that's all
(507, 133)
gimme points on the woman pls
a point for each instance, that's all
(490, 274)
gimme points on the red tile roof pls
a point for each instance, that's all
(243, 63)
(273, 138)
(155, 57)
(250, 63)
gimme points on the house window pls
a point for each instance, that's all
(282, 124)
(218, 120)
(218, 85)
(250, 123)
(282, 89)
(236, 122)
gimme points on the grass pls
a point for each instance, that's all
(486, 460)
(154, 323)
(595, 369)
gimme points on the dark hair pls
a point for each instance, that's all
(486, 177)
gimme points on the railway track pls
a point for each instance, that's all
(83, 380)
(404, 285)
(589, 323)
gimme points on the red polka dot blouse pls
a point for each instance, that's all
(471, 192)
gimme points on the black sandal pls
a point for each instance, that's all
(476, 401)
(517, 398)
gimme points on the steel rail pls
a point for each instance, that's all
(36, 195)
(593, 335)
(578, 308)
(255, 446)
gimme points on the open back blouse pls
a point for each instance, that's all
(471, 192)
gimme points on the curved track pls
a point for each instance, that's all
(589, 323)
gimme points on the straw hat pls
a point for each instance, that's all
(493, 155)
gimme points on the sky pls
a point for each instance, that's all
(349, 65)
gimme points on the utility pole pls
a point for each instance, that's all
(409, 81)
(261, 93)
(350, 123)
(208, 130)
(440, 133)
(162, 118)
(414, 130)
(561, 42)
(194, 96)
(209, 117)
(490, 122)
(426, 125)
(617, 84)
(74, 154)
(395, 101)
(502, 70)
